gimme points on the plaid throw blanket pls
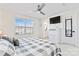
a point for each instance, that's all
(6, 48)
(28, 47)
(35, 47)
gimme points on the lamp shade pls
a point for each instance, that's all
(2, 33)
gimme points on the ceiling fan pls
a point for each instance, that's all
(40, 7)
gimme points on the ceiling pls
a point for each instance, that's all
(29, 8)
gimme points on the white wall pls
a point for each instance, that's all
(7, 22)
(78, 27)
(44, 28)
(36, 27)
(75, 18)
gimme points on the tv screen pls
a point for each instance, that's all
(55, 20)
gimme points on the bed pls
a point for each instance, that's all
(29, 46)
(6, 48)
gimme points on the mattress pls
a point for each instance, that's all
(35, 47)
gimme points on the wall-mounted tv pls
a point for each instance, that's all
(55, 20)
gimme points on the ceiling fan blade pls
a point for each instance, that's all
(40, 7)
(42, 13)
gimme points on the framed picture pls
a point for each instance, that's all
(68, 27)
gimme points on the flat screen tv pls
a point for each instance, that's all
(55, 20)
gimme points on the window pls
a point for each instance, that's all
(24, 26)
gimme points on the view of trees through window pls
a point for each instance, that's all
(23, 26)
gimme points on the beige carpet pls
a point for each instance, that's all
(69, 50)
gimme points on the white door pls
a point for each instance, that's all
(78, 28)
(70, 40)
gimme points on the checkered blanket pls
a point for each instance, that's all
(35, 47)
(28, 47)
(6, 48)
